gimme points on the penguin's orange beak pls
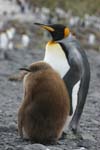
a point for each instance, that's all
(50, 29)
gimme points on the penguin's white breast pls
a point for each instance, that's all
(56, 57)
(75, 91)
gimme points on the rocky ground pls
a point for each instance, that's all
(10, 98)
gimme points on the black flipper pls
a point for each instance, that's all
(79, 71)
(82, 94)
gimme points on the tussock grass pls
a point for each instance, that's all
(78, 7)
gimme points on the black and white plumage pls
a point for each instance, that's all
(65, 54)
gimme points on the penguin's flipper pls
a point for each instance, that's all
(82, 94)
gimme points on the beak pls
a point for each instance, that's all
(25, 69)
(47, 27)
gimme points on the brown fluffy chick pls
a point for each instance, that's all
(45, 106)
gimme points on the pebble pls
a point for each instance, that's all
(40, 147)
(35, 147)
(85, 143)
(9, 148)
(88, 136)
(81, 148)
(20, 148)
(3, 128)
(54, 148)
(12, 126)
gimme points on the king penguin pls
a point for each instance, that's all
(65, 54)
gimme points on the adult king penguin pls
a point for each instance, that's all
(65, 54)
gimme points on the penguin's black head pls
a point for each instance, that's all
(57, 31)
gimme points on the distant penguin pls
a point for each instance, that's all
(10, 33)
(3, 40)
(21, 5)
(91, 39)
(45, 106)
(65, 54)
(25, 40)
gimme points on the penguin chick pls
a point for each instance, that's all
(45, 106)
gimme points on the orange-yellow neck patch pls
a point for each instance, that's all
(51, 42)
(66, 32)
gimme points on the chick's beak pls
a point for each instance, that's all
(47, 27)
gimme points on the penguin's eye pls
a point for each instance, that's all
(66, 32)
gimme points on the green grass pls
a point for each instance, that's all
(78, 7)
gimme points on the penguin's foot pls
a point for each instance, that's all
(79, 136)
(73, 127)
(71, 135)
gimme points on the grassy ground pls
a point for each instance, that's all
(78, 7)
